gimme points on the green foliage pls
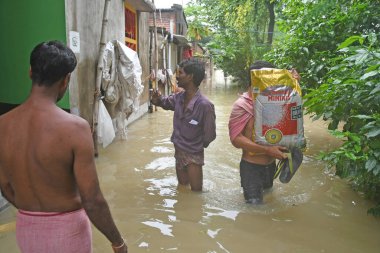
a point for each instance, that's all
(358, 158)
(351, 87)
(198, 26)
(314, 29)
(335, 46)
(240, 31)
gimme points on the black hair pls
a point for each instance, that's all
(51, 61)
(195, 67)
(258, 65)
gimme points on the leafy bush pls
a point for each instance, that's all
(314, 29)
(240, 33)
(335, 46)
(351, 95)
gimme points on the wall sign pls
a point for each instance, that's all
(74, 42)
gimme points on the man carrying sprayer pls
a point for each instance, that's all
(257, 165)
(47, 167)
(193, 122)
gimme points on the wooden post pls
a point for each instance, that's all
(155, 84)
(98, 83)
(150, 107)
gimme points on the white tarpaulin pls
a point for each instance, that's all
(121, 83)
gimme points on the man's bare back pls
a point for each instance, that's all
(47, 162)
(37, 155)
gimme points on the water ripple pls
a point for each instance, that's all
(161, 163)
(161, 149)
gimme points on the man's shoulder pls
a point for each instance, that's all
(242, 99)
(74, 120)
(76, 130)
(203, 99)
(204, 103)
(238, 101)
(9, 113)
(9, 117)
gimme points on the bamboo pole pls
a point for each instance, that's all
(150, 108)
(155, 83)
(99, 69)
(155, 47)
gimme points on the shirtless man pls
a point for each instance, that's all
(257, 165)
(47, 167)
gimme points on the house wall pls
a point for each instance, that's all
(86, 18)
(173, 21)
(42, 21)
(23, 25)
(163, 20)
(181, 24)
(143, 52)
(174, 14)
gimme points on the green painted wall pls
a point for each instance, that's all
(24, 24)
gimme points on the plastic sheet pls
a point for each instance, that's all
(121, 83)
(106, 132)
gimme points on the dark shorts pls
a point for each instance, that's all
(183, 158)
(255, 178)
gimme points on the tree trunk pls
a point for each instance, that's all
(270, 6)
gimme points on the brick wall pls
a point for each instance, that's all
(163, 20)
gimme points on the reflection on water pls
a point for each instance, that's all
(221, 212)
(165, 229)
(315, 212)
(165, 186)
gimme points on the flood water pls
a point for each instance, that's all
(315, 212)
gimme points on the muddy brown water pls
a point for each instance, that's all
(315, 212)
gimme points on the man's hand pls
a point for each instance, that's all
(156, 95)
(276, 152)
(121, 248)
(295, 74)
